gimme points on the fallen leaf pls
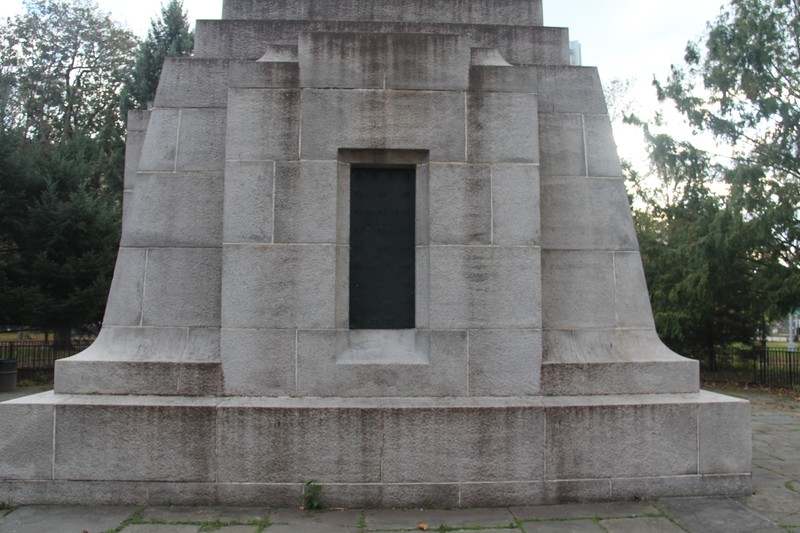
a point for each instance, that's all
(423, 526)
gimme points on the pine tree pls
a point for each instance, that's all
(169, 36)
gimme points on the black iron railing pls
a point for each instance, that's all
(769, 367)
(39, 355)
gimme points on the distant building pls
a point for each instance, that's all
(575, 54)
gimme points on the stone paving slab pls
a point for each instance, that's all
(408, 519)
(161, 528)
(337, 518)
(640, 525)
(565, 526)
(176, 513)
(587, 510)
(310, 528)
(63, 519)
(715, 515)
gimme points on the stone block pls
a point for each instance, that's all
(201, 141)
(263, 75)
(189, 82)
(516, 12)
(614, 441)
(578, 290)
(134, 143)
(248, 203)
(74, 493)
(161, 141)
(279, 286)
(383, 120)
(26, 449)
(300, 444)
(515, 205)
(433, 62)
(460, 204)
(485, 287)
(245, 39)
(577, 90)
(482, 444)
(305, 202)
(324, 368)
(124, 307)
(586, 214)
(725, 436)
(263, 124)
(503, 79)
(202, 345)
(183, 209)
(601, 150)
(182, 287)
(619, 377)
(343, 60)
(562, 145)
(483, 495)
(633, 303)
(502, 128)
(279, 495)
(504, 362)
(155, 443)
(182, 493)
(259, 362)
(652, 488)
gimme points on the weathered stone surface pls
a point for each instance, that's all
(166, 443)
(323, 368)
(484, 287)
(586, 214)
(460, 204)
(182, 287)
(189, 82)
(201, 140)
(246, 39)
(502, 128)
(279, 286)
(248, 202)
(578, 290)
(305, 202)
(725, 447)
(482, 445)
(161, 142)
(585, 443)
(26, 449)
(258, 362)
(297, 445)
(361, 119)
(175, 210)
(504, 362)
(562, 145)
(124, 307)
(516, 205)
(263, 124)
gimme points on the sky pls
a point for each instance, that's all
(626, 39)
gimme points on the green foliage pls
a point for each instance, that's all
(696, 251)
(743, 86)
(168, 36)
(312, 496)
(62, 66)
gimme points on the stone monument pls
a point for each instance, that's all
(384, 245)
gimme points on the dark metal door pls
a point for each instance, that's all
(382, 261)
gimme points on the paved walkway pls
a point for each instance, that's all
(774, 507)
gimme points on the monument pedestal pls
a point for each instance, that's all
(306, 146)
(389, 452)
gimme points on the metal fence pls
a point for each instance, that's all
(39, 355)
(769, 367)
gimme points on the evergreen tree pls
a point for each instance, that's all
(169, 36)
(62, 67)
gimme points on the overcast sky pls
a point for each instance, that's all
(628, 39)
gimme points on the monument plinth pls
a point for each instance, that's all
(384, 245)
